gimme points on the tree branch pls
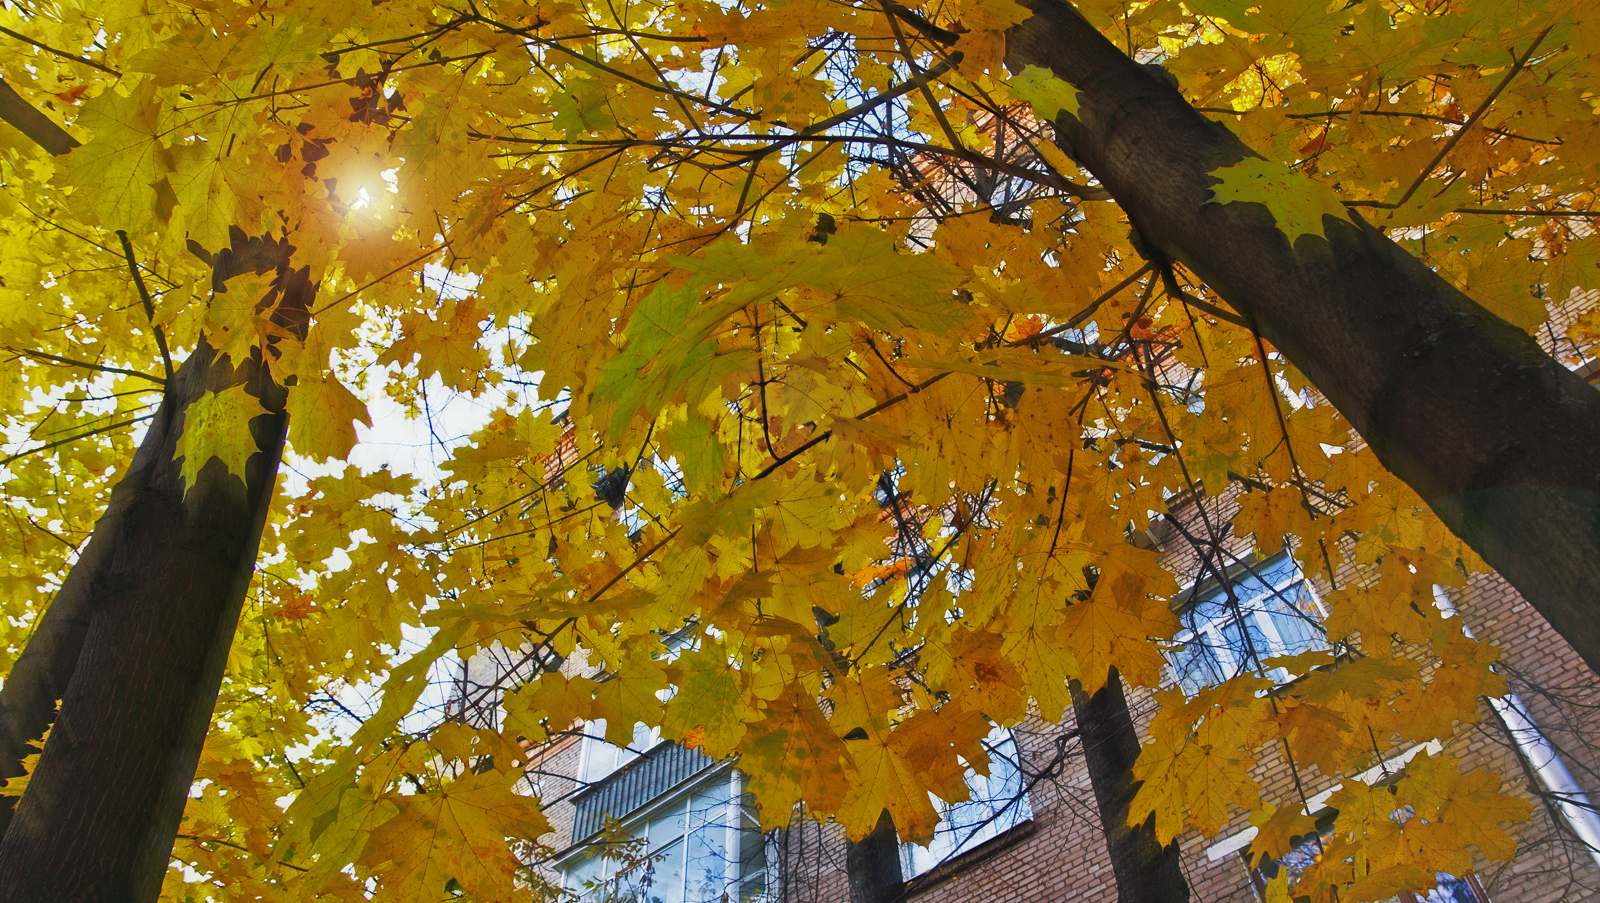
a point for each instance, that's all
(1472, 120)
(38, 128)
(71, 362)
(149, 307)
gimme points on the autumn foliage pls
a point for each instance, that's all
(882, 457)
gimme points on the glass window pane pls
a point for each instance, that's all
(1451, 889)
(1280, 616)
(663, 882)
(666, 826)
(696, 847)
(998, 803)
(707, 875)
(585, 877)
(752, 857)
(599, 758)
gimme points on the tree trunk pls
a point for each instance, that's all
(135, 642)
(1494, 434)
(872, 865)
(1146, 872)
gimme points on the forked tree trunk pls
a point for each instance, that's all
(1500, 439)
(135, 642)
(872, 865)
(1145, 871)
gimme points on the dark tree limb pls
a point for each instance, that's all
(1146, 871)
(1493, 433)
(27, 119)
(872, 865)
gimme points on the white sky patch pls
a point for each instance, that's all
(415, 443)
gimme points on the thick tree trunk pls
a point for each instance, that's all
(1500, 439)
(1146, 872)
(135, 643)
(872, 865)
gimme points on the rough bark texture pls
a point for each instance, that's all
(872, 865)
(1495, 435)
(1146, 872)
(135, 643)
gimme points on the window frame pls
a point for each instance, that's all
(1016, 810)
(1228, 661)
(739, 822)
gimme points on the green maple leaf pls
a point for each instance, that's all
(1048, 95)
(1297, 203)
(218, 426)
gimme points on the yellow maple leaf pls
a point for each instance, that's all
(459, 833)
(1270, 515)
(886, 779)
(322, 417)
(217, 425)
(1297, 203)
(792, 755)
(711, 698)
(1457, 809)
(16, 786)
(1279, 829)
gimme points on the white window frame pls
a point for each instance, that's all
(1231, 661)
(1014, 809)
(738, 821)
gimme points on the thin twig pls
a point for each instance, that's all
(149, 307)
(1472, 120)
(71, 362)
(359, 289)
(1580, 214)
(1171, 284)
(1083, 316)
(198, 839)
(49, 445)
(61, 53)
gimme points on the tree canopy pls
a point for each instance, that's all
(799, 329)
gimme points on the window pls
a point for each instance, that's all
(999, 803)
(1450, 889)
(692, 847)
(1280, 615)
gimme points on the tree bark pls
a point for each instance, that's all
(1495, 435)
(1146, 872)
(37, 127)
(135, 643)
(872, 865)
